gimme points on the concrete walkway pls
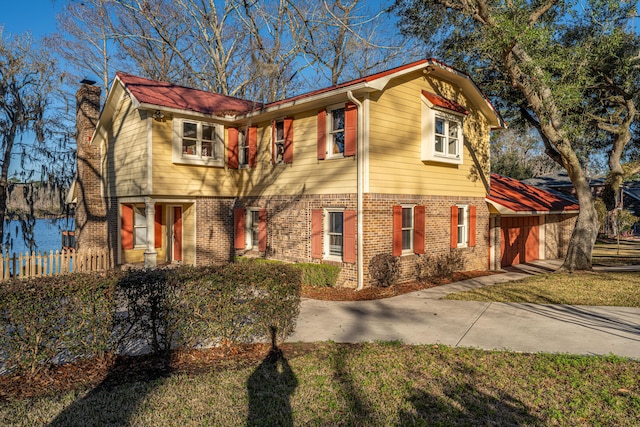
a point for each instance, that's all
(422, 318)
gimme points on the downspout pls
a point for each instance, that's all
(360, 191)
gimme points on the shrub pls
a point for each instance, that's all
(60, 318)
(433, 267)
(318, 275)
(384, 269)
(188, 307)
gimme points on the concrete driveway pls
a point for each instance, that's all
(423, 318)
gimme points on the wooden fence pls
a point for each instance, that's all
(52, 264)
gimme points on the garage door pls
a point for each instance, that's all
(520, 240)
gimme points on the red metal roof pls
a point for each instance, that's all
(168, 95)
(520, 197)
(440, 101)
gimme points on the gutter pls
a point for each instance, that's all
(360, 191)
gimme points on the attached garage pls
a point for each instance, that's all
(519, 240)
(526, 223)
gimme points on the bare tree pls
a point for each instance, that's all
(27, 88)
(346, 39)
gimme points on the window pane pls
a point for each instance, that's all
(335, 222)
(461, 211)
(407, 221)
(188, 146)
(140, 236)
(406, 239)
(439, 144)
(460, 234)
(207, 132)
(338, 143)
(279, 131)
(335, 244)
(338, 119)
(439, 126)
(190, 130)
(207, 149)
(453, 130)
(453, 147)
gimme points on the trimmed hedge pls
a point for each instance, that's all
(313, 274)
(53, 319)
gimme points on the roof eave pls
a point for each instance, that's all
(503, 210)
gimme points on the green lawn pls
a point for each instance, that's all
(598, 288)
(607, 252)
(362, 385)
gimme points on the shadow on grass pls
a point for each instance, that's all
(463, 401)
(107, 404)
(269, 388)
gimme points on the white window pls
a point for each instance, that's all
(251, 227)
(407, 229)
(447, 137)
(335, 132)
(198, 143)
(139, 226)
(278, 142)
(334, 234)
(243, 150)
(442, 138)
(463, 226)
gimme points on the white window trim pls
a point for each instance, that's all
(411, 249)
(326, 236)
(141, 209)
(330, 132)
(197, 159)
(429, 114)
(464, 226)
(275, 141)
(249, 226)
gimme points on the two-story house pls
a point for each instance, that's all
(397, 162)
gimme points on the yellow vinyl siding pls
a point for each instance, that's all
(306, 175)
(395, 142)
(126, 157)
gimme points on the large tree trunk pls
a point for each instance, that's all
(585, 231)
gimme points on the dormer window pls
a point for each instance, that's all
(442, 138)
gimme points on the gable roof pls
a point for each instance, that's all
(153, 94)
(510, 196)
(169, 95)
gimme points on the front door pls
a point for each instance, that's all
(176, 234)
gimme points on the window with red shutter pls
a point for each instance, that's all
(126, 231)
(316, 233)
(238, 228)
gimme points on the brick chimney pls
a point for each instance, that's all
(91, 212)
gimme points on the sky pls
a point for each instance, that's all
(35, 16)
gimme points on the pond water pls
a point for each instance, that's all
(47, 234)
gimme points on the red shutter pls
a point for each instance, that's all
(418, 229)
(262, 230)
(316, 233)
(157, 226)
(472, 226)
(349, 230)
(288, 140)
(127, 227)
(252, 138)
(232, 149)
(350, 129)
(273, 142)
(322, 134)
(454, 227)
(397, 230)
(238, 228)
